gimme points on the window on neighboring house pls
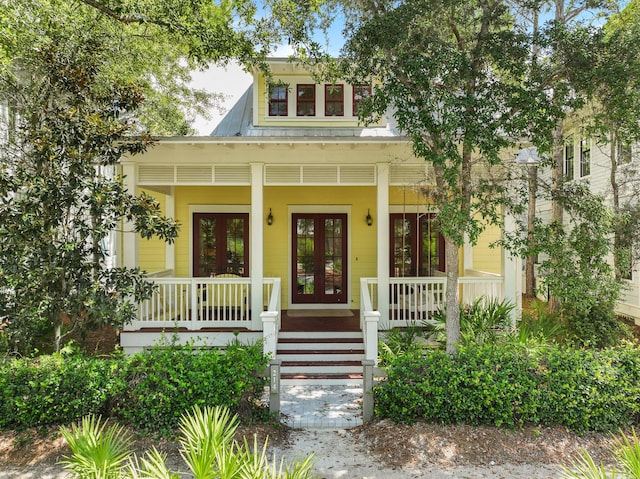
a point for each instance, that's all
(306, 100)
(359, 93)
(220, 244)
(334, 100)
(585, 157)
(569, 154)
(278, 100)
(417, 247)
(624, 152)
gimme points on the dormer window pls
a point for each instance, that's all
(360, 92)
(334, 100)
(278, 100)
(306, 100)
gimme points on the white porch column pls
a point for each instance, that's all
(467, 252)
(382, 233)
(129, 236)
(170, 249)
(512, 274)
(256, 242)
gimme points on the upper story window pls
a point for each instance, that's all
(360, 92)
(569, 155)
(278, 100)
(334, 100)
(585, 157)
(306, 100)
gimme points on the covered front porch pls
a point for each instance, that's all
(326, 223)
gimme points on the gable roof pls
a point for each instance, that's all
(239, 118)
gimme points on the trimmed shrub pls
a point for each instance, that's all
(596, 328)
(589, 390)
(165, 382)
(583, 390)
(57, 389)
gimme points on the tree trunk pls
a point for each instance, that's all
(615, 199)
(530, 275)
(452, 302)
(58, 336)
(557, 210)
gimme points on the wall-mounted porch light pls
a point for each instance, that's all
(369, 218)
(270, 218)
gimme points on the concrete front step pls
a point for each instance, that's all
(322, 380)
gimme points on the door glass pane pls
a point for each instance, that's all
(220, 244)
(402, 248)
(207, 247)
(305, 256)
(430, 246)
(333, 256)
(235, 246)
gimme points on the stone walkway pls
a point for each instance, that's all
(317, 406)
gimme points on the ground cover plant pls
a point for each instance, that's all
(166, 381)
(150, 390)
(584, 390)
(58, 388)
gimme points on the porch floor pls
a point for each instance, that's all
(320, 323)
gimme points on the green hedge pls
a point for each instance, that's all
(56, 389)
(150, 390)
(166, 382)
(582, 389)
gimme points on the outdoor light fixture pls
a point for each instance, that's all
(369, 218)
(270, 218)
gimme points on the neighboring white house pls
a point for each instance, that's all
(589, 161)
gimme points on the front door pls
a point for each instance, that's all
(319, 264)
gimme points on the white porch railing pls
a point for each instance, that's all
(413, 300)
(271, 318)
(195, 303)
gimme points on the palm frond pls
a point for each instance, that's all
(97, 451)
(584, 467)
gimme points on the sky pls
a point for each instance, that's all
(231, 81)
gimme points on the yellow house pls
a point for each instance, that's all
(293, 213)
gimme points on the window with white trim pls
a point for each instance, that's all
(306, 100)
(585, 157)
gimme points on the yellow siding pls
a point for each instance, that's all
(152, 252)
(200, 195)
(485, 258)
(403, 195)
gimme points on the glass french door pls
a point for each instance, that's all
(417, 247)
(319, 258)
(220, 244)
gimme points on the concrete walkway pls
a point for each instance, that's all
(318, 406)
